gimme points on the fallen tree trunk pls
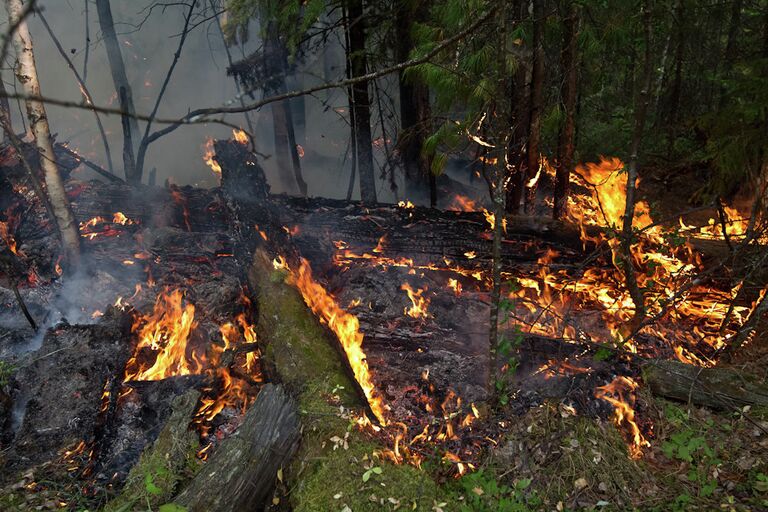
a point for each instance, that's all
(718, 388)
(240, 474)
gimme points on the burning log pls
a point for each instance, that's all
(241, 473)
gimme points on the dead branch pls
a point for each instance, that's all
(83, 89)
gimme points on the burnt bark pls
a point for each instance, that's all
(241, 473)
(362, 103)
(536, 99)
(719, 388)
(566, 142)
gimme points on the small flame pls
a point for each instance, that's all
(240, 136)
(619, 393)
(208, 156)
(419, 303)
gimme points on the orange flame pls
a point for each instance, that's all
(208, 156)
(240, 136)
(624, 414)
(419, 304)
(165, 331)
(344, 325)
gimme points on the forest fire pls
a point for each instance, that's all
(415, 296)
(419, 304)
(165, 332)
(620, 394)
(344, 325)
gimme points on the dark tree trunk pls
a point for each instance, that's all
(131, 135)
(5, 112)
(288, 162)
(537, 90)
(641, 108)
(677, 81)
(415, 111)
(730, 46)
(517, 92)
(362, 104)
(566, 146)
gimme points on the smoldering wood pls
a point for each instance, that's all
(58, 388)
(135, 423)
(717, 388)
(241, 473)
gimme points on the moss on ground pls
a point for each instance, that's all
(328, 471)
(171, 460)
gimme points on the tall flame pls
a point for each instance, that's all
(618, 393)
(345, 326)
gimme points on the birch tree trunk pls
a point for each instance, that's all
(131, 136)
(26, 74)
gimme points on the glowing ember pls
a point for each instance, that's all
(405, 204)
(346, 327)
(463, 204)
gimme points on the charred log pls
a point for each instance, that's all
(241, 473)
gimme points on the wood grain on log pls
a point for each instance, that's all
(241, 473)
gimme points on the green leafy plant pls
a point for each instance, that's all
(483, 492)
(375, 470)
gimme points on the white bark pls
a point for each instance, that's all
(26, 74)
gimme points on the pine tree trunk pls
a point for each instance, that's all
(362, 117)
(566, 144)
(627, 234)
(288, 162)
(131, 136)
(518, 119)
(537, 91)
(729, 57)
(677, 82)
(26, 74)
(415, 111)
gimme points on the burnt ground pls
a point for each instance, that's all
(67, 386)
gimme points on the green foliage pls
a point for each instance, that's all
(293, 18)
(483, 492)
(6, 372)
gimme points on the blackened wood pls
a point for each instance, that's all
(241, 473)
